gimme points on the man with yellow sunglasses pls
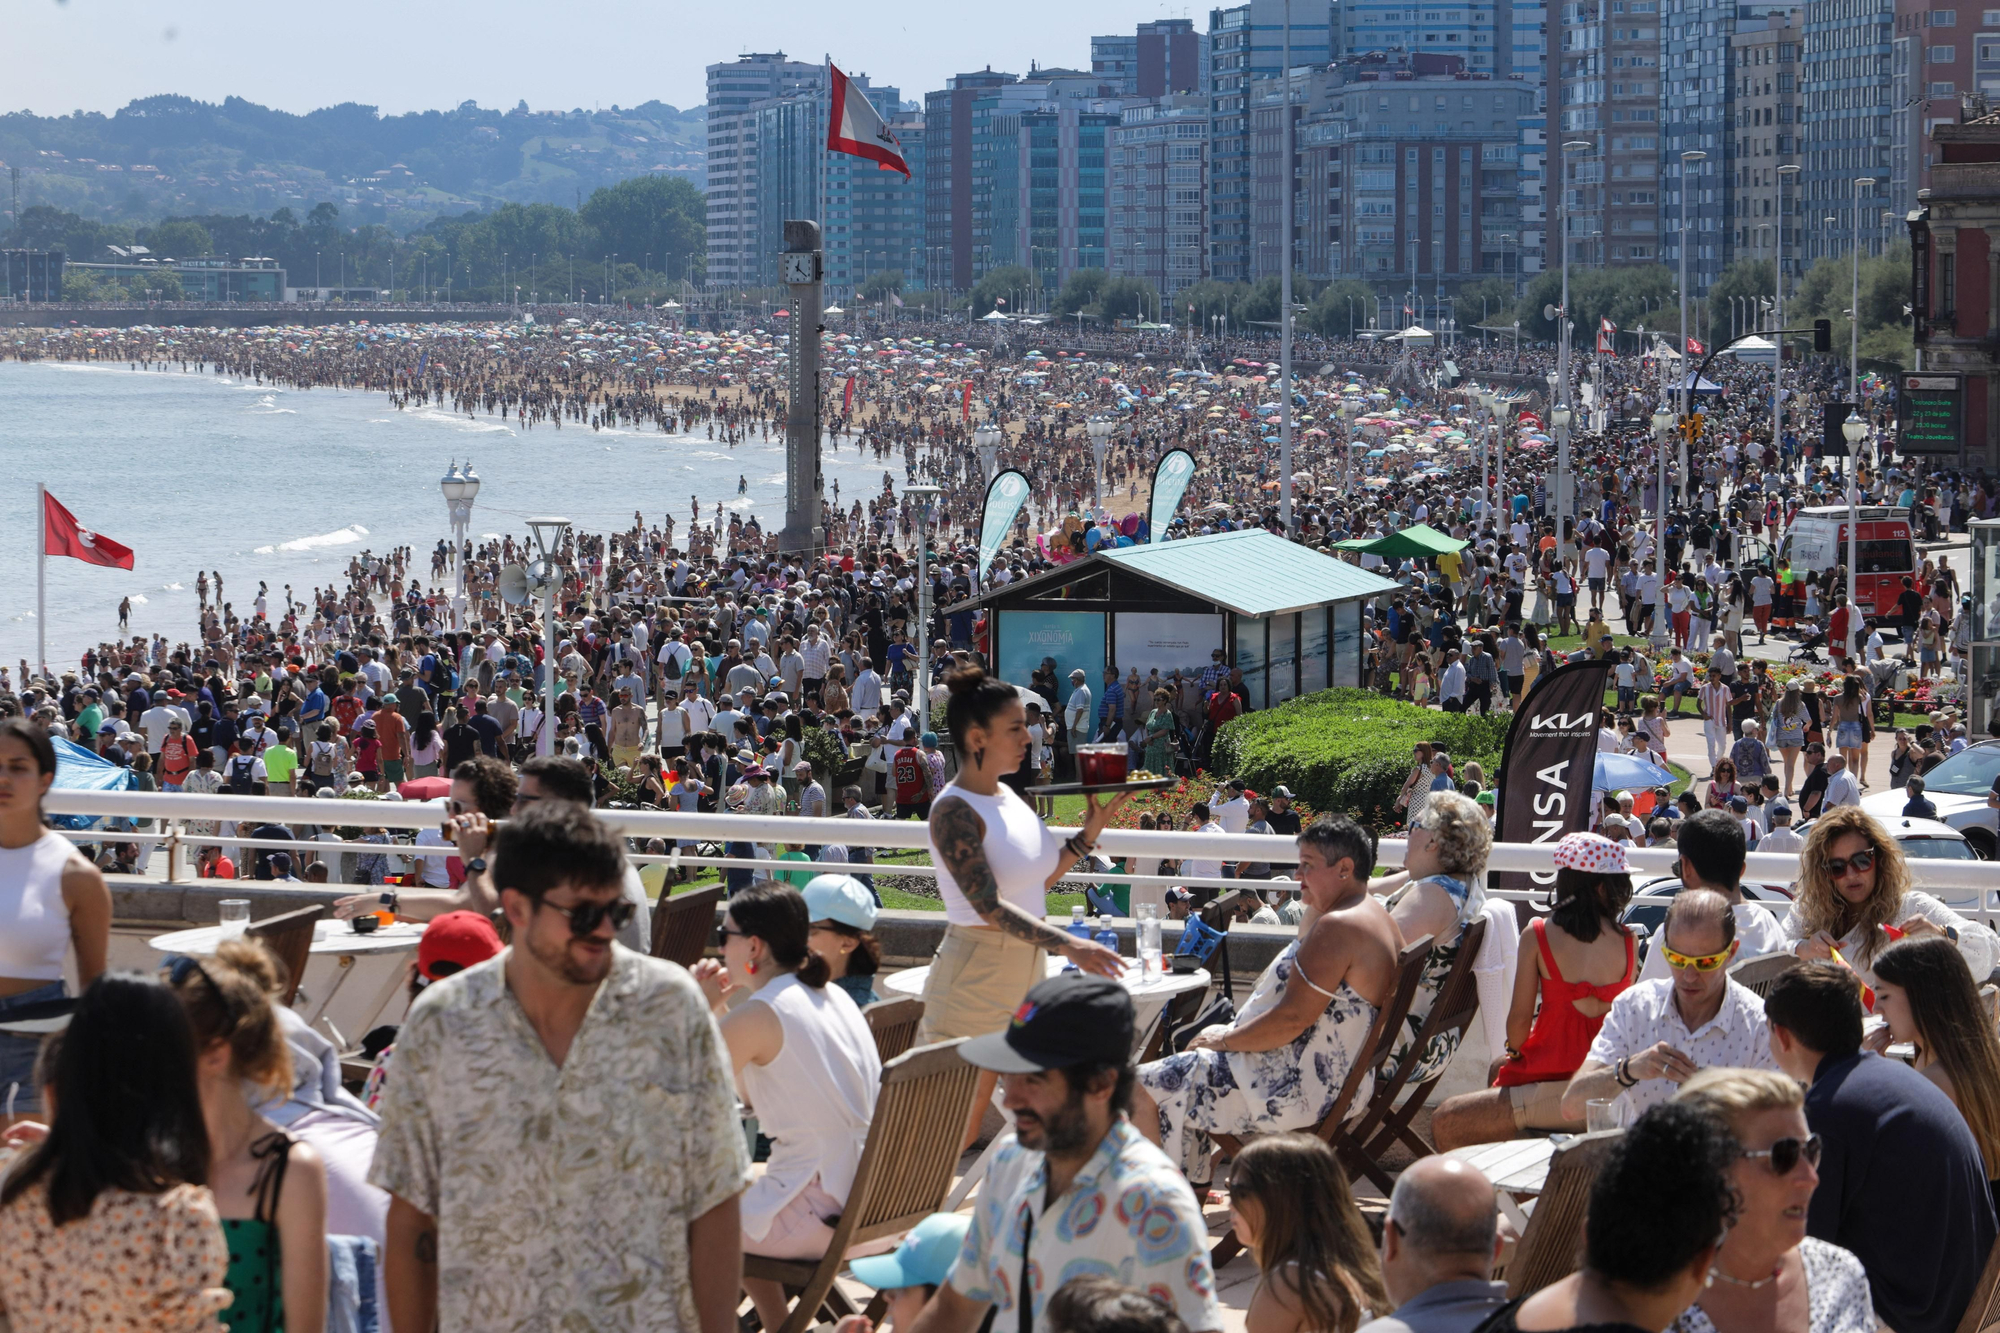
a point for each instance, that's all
(1660, 1032)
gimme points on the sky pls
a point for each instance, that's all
(97, 55)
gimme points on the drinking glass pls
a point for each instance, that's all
(235, 917)
(1147, 934)
(1601, 1113)
(1101, 764)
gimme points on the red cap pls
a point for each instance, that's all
(463, 938)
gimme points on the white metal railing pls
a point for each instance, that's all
(173, 809)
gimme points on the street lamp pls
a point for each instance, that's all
(1688, 159)
(1100, 438)
(549, 533)
(1854, 302)
(920, 689)
(1856, 430)
(1565, 485)
(1663, 423)
(460, 487)
(986, 437)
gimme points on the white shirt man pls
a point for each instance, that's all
(867, 693)
(1231, 808)
(1841, 788)
(1076, 712)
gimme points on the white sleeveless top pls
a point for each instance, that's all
(815, 1099)
(34, 919)
(1019, 848)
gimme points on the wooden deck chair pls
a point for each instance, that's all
(1760, 974)
(1396, 1101)
(684, 924)
(1175, 1014)
(1375, 1047)
(1982, 1313)
(289, 937)
(894, 1025)
(906, 1168)
(1549, 1247)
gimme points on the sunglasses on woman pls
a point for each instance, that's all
(1836, 866)
(1785, 1155)
(584, 918)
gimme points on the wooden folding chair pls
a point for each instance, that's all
(1386, 1120)
(1982, 1312)
(1375, 1049)
(906, 1168)
(1760, 974)
(1548, 1248)
(894, 1025)
(683, 925)
(289, 937)
(1176, 1014)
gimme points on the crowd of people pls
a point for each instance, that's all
(555, 1135)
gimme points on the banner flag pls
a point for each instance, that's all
(65, 536)
(1548, 765)
(1004, 499)
(855, 127)
(1171, 476)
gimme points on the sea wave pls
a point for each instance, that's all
(353, 532)
(138, 599)
(466, 424)
(172, 587)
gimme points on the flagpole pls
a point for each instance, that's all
(41, 578)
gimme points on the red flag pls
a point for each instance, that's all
(68, 537)
(965, 409)
(847, 398)
(1694, 346)
(857, 128)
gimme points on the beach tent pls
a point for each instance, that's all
(1419, 540)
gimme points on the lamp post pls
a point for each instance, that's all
(1778, 316)
(986, 437)
(1100, 438)
(1663, 424)
(920, 689)
(1565, 484)
(1856, 430)
(1689, 158)
(549, 533)
(1854, 311)
(1560, 416)
(460, 487)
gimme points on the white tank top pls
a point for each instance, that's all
(1019, 848)
(34, 919)
(815, 1099)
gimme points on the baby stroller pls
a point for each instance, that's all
(1811, 639)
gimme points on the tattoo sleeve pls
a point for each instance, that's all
(960, 837)
(426, 1246)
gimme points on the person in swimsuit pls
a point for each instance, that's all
(1583, 960)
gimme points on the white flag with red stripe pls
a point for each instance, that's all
(854, 126)
(1607, 334)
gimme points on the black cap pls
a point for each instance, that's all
(1072, 1018)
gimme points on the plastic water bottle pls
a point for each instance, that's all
(1106, 936)
(1079, 928)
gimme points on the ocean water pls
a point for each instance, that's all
(204, 472)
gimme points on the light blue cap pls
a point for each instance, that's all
(925, 1257)
(841, 898)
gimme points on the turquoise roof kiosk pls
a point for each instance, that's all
(1288, 615)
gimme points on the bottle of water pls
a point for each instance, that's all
(1106, 936)
(1079, 928)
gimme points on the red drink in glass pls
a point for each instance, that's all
(1101, 765)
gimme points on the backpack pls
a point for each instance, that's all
(673, 668)
(242, 775)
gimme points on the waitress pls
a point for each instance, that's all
(51, 898)
(996, 861)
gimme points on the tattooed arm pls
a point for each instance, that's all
(409, 1269)
(959, 833)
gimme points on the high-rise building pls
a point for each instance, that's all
(1158, 190)
(1502, 38)
(948, 254)
(1939, 54)
(1245, 42)
(1160, 58)
(1040, 190)
(1604, 93)
(733, 154)
(1765, 82)
(1845, 120)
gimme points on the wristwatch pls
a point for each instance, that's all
(389, 900)
(1951, 933)
(476, 866)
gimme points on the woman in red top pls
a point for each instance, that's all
(1576, 961)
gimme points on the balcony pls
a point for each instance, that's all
(1966, 180)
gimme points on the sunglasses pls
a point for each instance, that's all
(1836, 866)
(1786, 1154)
(1702, 963)
(585, 918)
(722, 934)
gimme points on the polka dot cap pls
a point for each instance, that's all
(1592, 854)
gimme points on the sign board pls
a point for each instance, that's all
(1166, 642)
(1075, 639)
(1930, 412)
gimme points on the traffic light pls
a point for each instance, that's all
(1822, 335)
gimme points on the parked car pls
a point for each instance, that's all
(1958, 787)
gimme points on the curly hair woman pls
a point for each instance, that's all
(1854, 898)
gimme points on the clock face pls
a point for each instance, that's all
(799, 269)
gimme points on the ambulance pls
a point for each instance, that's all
(1885, 554)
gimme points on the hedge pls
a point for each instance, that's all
(1348, 751)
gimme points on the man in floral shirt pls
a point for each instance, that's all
(1078, 1190)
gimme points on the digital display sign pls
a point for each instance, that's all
(1930, 412)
